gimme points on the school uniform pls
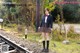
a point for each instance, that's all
(45, 26)
(46, 23)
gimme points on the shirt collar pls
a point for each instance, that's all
(47, 15)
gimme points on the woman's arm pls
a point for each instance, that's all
(51, 22)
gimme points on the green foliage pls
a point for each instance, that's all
(58, 20)
(8, 0)
(72, 34)
(16, 1)
(71, 12)
(49, 4)
(56, 35)
(12, 9)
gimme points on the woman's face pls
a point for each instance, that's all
(46, 12)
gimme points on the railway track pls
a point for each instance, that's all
(20, 45)
(17, 47)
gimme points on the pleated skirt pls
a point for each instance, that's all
(44, 29)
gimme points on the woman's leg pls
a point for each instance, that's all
(47, 36)
(47, 40)
(43, 36)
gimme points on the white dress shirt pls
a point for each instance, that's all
(46, 18)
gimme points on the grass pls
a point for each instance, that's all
(62, 48)
(73, 47)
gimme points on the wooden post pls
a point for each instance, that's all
(1, 21)
(26, 33)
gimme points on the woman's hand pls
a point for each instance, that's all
(38, 27)
(51, 29)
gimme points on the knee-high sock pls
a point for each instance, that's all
(47, 45)
(43, 44)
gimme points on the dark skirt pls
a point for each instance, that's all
(44, 29)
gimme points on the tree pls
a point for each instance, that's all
(71, 13)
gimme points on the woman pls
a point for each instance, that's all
(45, 28)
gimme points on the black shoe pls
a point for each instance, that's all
(43, 46)
(43, 50)
(46, 50)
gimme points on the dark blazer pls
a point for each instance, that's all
(49, 22)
